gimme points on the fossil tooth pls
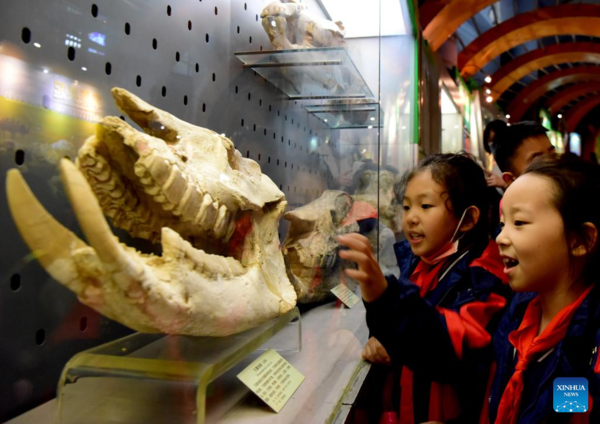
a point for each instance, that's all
(222, 221)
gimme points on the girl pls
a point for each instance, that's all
(435, 321)
(551, 217)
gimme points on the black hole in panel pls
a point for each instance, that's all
(203, 107)
(249, 96)
(177, 57)
(286, 164)
(274, 136)
(71, 53)
(238, 29)
(190, 25)
(285, 117)
(265, 132)
(236, 89)
(282, 139)
(185, 100)
(280, 188)
(289, 142)
(292, 122)
(207, 38)
(278, 113)
(15, 282)
(83, 324)
(269, 108)
(257, 18)
(20, 157)
(138, 81)
(288, 189)
(250, 39)
(127, 28)
(254, 127)
(122, 118)
(169, 10)
(247, 153)
(26, 35)
(245, 6)
(294, 145)
(260, 102)
(40, 337)
(154, 44)
(216, 11)
(292, 166)
(164, 91)
(94, 11)
(259, 156)
(197, 67)
(214, 77)
(242, 122)
(269, 159)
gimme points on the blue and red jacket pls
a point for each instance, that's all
(576, 355)
(441, 338)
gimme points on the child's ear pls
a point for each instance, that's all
(584, 244)
(471, 219)
(508, 178)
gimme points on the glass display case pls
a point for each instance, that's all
(322, 130)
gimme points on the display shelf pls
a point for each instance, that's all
(147, 378)
(318, 73)
(342, 114)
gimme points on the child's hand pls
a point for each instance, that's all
(369, 275)
(375, 353)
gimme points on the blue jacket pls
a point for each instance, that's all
(416, 334)
(575, 356)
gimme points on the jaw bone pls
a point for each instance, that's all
(185, 290)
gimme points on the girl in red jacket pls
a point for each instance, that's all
(433, 324)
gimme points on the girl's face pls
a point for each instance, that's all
(426, 221)
(532, 243)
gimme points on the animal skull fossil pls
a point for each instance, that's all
(291, 26)
(214, 212)
(311, 248)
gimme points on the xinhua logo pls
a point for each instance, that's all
(570, 394)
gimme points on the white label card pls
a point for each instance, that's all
(345, 295)
(272, 378)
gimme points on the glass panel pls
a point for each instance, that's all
(327, 127)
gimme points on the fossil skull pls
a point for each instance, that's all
(291, 26)
(311, 248)
(216, 215)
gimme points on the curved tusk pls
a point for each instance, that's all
(93, 224)
(51, 243)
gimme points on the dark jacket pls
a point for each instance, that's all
(415, 331)
(575, 356)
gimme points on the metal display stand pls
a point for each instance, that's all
(154, 378)
(342, 115)
(317, 73)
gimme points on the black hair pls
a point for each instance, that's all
(491, 131)
(576, 195)
(508, 139)
(464, 183)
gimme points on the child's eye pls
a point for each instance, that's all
(519, 223)
(426, 206)
(406, 208)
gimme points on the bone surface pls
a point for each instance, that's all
(215, 214)
(291, 26)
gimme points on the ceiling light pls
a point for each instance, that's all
(38, 45)
(489, 99)
(559, 116)
(488, 91)
(507, 116)
(488, 79)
